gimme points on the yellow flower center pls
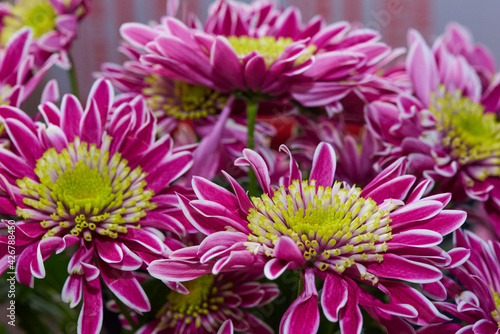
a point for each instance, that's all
(83, 191)
(200, 301)
(268, 46)
(37, 14)
(329, 225)
(186, 101)
(495, 314)
(468, 132)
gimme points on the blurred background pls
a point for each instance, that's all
(99, 33)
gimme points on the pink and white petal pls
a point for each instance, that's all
(109, 251)
(126, 287)
(401, 293)
(334, 296)
(303, 315)
(275, 267)
(351, 319)
(226, 328)
(459, 256)
(254, 160)
(397, 267)
(323, 165)
(73, 290)
(91, 315)
(178, 271)
(46, 247)
(396, 188)
(243, 200)
(417, 238)
(71, 114)
(24, 140)
(286, 249)
(209, 191)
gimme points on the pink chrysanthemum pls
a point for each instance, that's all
(54, 24)
(176, 102)
(344, 235)
(477, 293)
(448, 128)
(18, 75)
(95, 180)
(212, 300)
(259, 56)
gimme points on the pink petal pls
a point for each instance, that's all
(351, 319)
(275, 267)
(126, 287)
(71, 115)
(259, 167)
(334, 296)
(168, 270)
(226, 63)
(90, 319)
(72, 290)
(397, 267)
(286, 249)
(323, 166)
(226, 328)
(303, 315)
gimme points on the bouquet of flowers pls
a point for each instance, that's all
(169, 201)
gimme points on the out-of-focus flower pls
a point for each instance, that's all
(355, 163)
(259, 58)
(477, 290)
(212, 300)
(447, 129)
(98, 180)
(344, 235)
(198, 108)
(54, 24)
(18, 75)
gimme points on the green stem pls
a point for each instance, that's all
(301, 284)
(125, 311)
(72, 77)
(252, 107)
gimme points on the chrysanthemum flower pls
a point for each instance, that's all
(477, 293)
(212, 300)
(258, 58)
(54, 24)
(18, 75)
(344, 235)
(448, 128)
(174, 102)
(95, 180)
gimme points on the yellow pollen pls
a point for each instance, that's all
(495, 313)
(199, 301)
(468, 132)
(84, 192)
(37, 14)
(333, 227)
(268, 46)
(184, 100)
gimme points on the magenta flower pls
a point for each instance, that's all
(18, 75)
(174, 102)
(212, 300)
(54, 24)
(477, 298)
(95, 180)
(344, 235)
(447, 129)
